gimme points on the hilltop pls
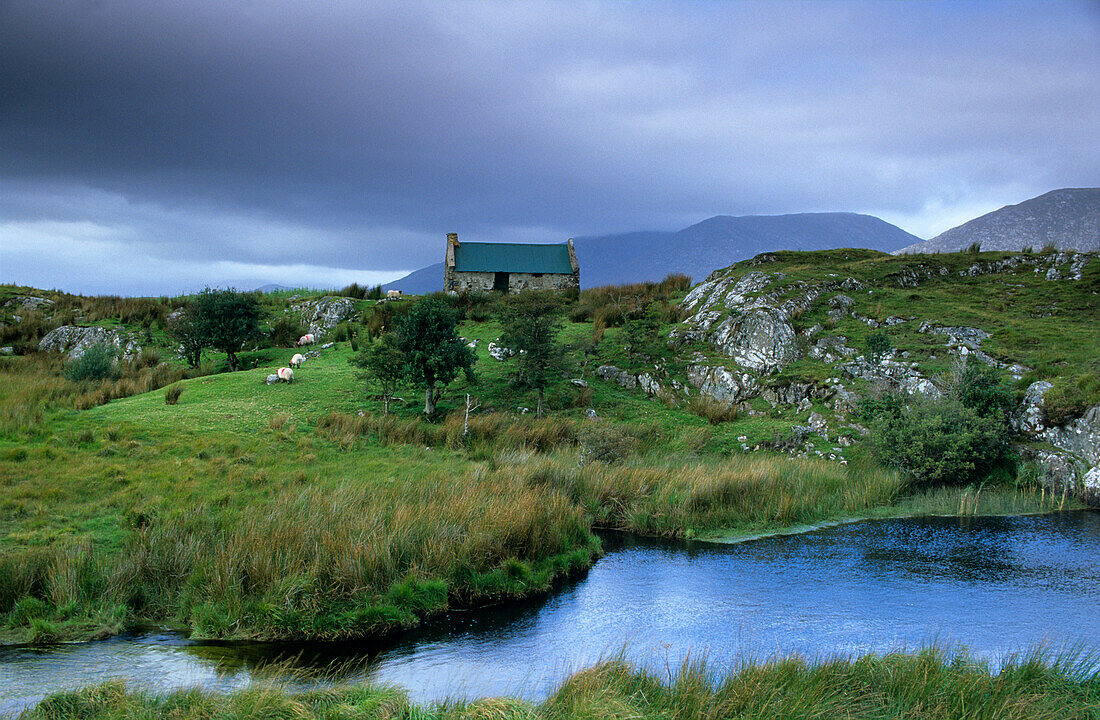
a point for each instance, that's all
(698, 249)
(1066, 219)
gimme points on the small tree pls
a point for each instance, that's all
(530, 322)
(182, 329)
(878, 344)
(640, 329)
(383, 361)
(433, 352)
(225, 320)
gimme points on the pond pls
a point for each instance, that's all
(995, 586)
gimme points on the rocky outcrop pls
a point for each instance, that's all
(1052, 266)
(754, 330)
(74, 340)
(723, 384)
(323, 314)
(1080, 437)
(1028, 418)
(27, 302)
(892, 373)
(649, 383)
(1074, 462)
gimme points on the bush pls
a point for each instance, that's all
(97, 363)
(603, 442)
(877, 345)
(982, 389)
(936, 442)
(285, 331)
(1070, 399)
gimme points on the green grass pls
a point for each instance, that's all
(915, 686)
(295, 510)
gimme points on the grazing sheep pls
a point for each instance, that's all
(285, 374)
(306, 339)
(297, 360)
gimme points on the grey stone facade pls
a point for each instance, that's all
(486, 281)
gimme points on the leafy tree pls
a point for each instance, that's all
(877, 345)
(383, 361)
(433, 351)
(225, 320)
(530, 322)
(183, 330)
(641, 328)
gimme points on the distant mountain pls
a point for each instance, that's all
(697, 250)
(420, 282)
(1068, 218)
(271, 287)
(723, 240)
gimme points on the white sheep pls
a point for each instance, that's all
(285, 374)
(306, 339)
(297, 360)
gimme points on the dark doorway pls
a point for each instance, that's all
(500, 281)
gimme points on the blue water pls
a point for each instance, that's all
(995, 586)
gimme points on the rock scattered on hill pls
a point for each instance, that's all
(73, 340)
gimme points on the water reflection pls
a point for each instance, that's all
(995, 585)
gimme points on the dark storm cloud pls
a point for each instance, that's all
(240, 141)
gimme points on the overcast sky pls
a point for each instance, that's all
(156, 147)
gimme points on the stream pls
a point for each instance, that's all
(994, 586)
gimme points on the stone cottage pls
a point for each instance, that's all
(509, 267)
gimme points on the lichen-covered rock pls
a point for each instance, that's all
(1080, 437)
(323, 314)
(28, 302)
(1090, 486)
(723, 384)
(748, 317)
(895, 374)
(499, 352)
(831, 349)
(74, 340)
(1028, 418)
(271, 379)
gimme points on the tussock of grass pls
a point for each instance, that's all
(925, 685)
(677, 498)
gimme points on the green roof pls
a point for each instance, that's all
(512, 257)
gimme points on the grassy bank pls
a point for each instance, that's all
(915, 686)
(298, 511)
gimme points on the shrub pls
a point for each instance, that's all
(974, 248)
(285, 331)
(1070, 399)
(97, 363)
(936, 442)
(877, 345)
(172, 394)
(982, 389)
(603, 442)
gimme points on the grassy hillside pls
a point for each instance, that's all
(297, 510)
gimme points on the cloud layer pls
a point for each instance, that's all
(157, 146)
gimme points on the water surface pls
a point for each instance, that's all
(995, 586)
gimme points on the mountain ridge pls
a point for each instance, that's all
(1067, 218)
(700, 248)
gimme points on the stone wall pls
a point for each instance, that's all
(457, 281)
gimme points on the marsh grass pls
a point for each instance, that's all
(926, 684)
